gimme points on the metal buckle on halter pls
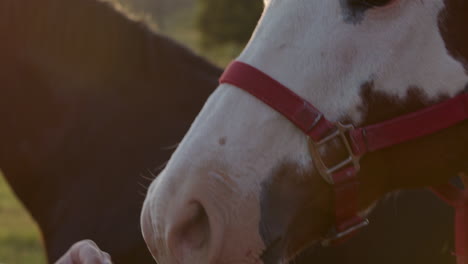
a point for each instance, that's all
(353, 160)
(326, 172)
(328, 241)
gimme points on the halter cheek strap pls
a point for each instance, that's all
(458, 199)
(355, 141)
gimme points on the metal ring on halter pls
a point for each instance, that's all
(352, 160)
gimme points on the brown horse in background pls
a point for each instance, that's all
(90, 104)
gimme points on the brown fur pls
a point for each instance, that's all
(88, 101)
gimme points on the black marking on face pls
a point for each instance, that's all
(354, 10)
(352, 15)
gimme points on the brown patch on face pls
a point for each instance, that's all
(453, 21)
(295, 210)
(297, 207)
(379, 106)
(426, 161)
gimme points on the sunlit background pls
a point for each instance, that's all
(215, 29)
(20, 240)
(218, 37)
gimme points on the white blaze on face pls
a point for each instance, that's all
(236, 142)
(310, 48)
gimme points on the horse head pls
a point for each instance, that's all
(242, 186)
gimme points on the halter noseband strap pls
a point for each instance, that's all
(356, 141)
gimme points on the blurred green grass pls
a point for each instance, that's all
(20, 240)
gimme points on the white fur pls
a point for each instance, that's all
(326, 60)
(307, 46)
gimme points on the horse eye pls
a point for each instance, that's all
(368, 3)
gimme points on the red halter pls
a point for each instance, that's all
(357, 141)
(458, 199)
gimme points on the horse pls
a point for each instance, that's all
(83, 120)
(247, 185)
(91, 104)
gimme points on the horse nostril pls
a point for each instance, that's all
(195, 231)
(191, 233)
